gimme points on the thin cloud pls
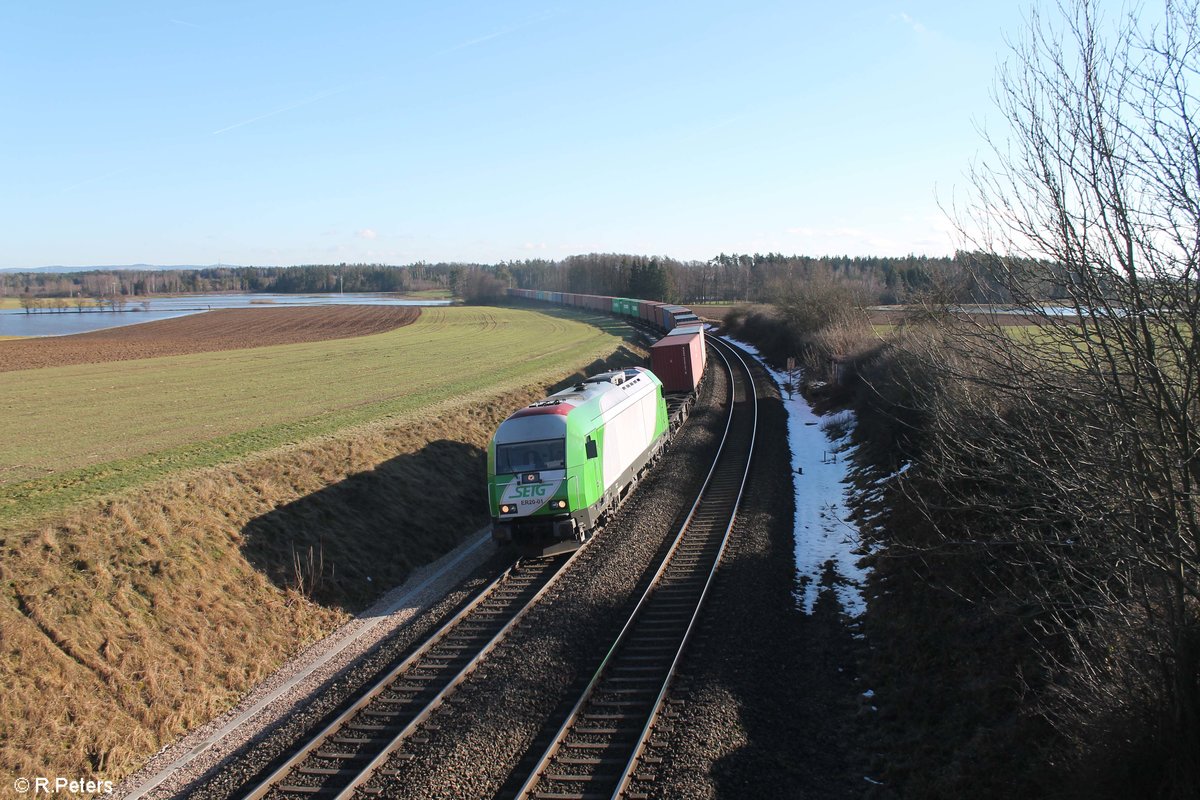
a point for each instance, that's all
(367, 233)
(308, 101)
(917, 27)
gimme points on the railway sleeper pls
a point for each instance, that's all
(327, 771)
(370, 728)
(399, 701)
(388, 715)
(580, 778)
(603, 731)
(594, 746)
(342, 755)
(293, 788)
(372, 741)
(618, 717)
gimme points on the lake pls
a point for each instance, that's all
(15, 322)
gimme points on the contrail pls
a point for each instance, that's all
(309, 101)
(501, 32)
(94, 179)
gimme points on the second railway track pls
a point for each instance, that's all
(597, 751)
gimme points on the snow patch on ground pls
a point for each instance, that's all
(819, 470)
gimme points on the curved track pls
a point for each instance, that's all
(349, 757)
(597, 751)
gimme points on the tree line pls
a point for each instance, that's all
(725, 278)
(108, 285)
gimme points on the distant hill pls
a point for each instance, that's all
(113, 268)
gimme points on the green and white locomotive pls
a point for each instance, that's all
(556, 466)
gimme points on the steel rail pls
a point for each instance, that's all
(274, 780)
(630, 770)
(538, 773)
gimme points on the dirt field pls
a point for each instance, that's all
(713, 313)
(225, 329)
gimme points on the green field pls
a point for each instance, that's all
(74, 432)
(429, 294)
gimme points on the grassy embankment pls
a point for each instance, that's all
(156, 535)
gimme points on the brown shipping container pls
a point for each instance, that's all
(678, 361)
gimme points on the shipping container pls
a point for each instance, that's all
(678, 361)
(693, 330)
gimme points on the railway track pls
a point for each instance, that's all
(350, 756)
(598, 750)
(343, 757)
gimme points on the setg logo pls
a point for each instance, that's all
(529, 497)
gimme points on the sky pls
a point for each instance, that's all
(278, 133)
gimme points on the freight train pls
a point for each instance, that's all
(556, 467)
(678, 359)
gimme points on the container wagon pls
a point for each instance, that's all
(678, 359)
(556, 467)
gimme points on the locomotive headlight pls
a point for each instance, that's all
(560, 503)
(507, 509)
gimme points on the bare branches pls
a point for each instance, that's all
(1072, 449)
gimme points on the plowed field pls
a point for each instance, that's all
(225, 329)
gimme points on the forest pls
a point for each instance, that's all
(732, 278)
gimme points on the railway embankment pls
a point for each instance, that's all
(134, 618)
(938, 675)
(1004, 650)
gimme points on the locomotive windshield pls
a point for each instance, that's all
(531, 456)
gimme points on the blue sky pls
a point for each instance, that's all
(286, 133)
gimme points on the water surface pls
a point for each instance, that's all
(15, 322)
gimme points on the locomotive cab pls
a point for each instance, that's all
(555, 466)
(529, 484)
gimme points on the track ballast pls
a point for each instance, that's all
(597, 752)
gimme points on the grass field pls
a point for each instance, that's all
(10, 302)
(75, 432)
(129, 617)
(429, 294)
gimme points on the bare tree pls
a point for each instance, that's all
(1072, 448)
(481, 288)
